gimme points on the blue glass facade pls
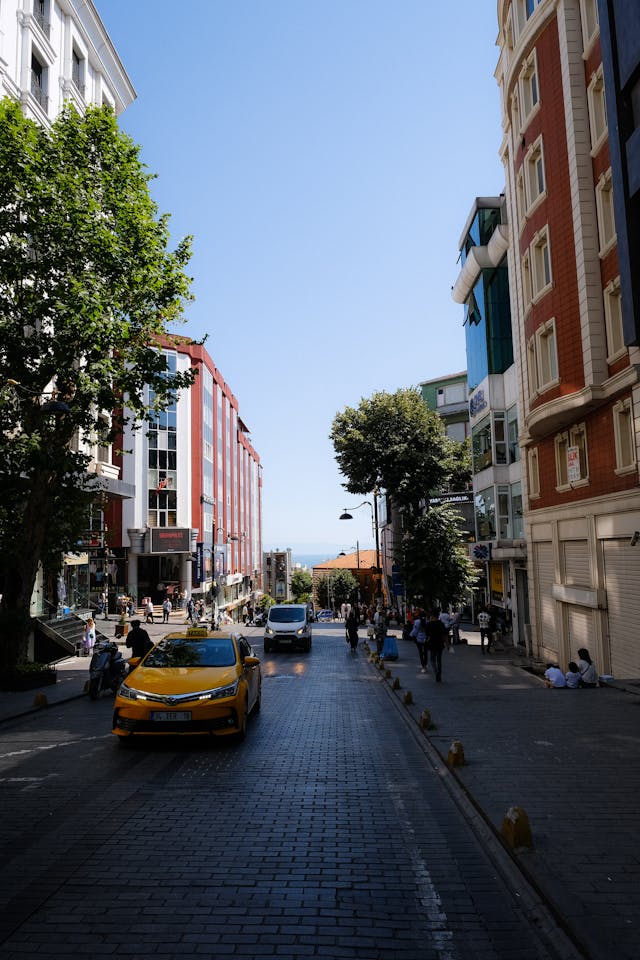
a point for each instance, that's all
(488, 326)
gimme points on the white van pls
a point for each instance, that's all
(288, 626)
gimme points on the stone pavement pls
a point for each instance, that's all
(568, 758)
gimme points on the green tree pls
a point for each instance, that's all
(335, 588)
(435, 563)
(87, 288)
(394, 442)
(301, 585)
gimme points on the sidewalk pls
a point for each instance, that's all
(569, 758)
(73, 672)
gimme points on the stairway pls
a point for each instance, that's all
(60, 637)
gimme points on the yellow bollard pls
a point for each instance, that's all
(425, 719)
(515, 829)
(455, 757)
(40, 700)
(408, 698)
(396, 684)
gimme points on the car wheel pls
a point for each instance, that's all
(258, 703)
(267, 647)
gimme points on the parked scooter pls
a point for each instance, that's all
(107, 669)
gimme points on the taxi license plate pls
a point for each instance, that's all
(167, 715)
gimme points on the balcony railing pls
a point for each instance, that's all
(44, 25)
(37, 92)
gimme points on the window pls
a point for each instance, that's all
(541, 261)
(532, 366)
(512, 434)
(517, 516)
(39, 82)
(529, 96)
(527, 288)
(457, 431)
(535, 182)
(521, 201)
(41, 16)
(613, 320)
(534, 473)
(606, 219)
(481, 445)
(485, 513)
(597, 110)
(77, 71)
(504, 525)
(561, 443)
(546, 355)
(515, 111)
(500, 438)
(589, 12)
(525, 10)
(572, 468)
(624, 436)
(452, 393)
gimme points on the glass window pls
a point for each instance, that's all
(481, 445)
(561, 442)
(504, 527)
(589, 12)
(485, 514)
(529, 88)
(500, 438)
(512, 434)
(517, 515)
(624, 436)
(534, 165)
(546, 355)
(534, 472)
(541, 275)
(613, 320)
(606, 219)
(597, 109)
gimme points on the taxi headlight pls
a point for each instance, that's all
(269, 632)
(301, 631)
(220, 692)
(130, 693)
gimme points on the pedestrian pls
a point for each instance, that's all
(445, 620)
(131, 608)
(191, 609)
(166, 609)
(88, 637)
(419, 634)
(102, 606)
(139, 641)
(572, 676)
(245, 613)
(380, 628)
(352, 630)
(437, 639)
(149, 610)
(455, 626)
(586, 666)
(554, 677)
(484, 622)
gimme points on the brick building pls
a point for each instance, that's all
(578, 379)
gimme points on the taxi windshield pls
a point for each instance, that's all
(187, 652)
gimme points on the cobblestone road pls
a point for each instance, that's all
(326, 834)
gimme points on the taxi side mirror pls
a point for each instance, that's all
(134, 661)
(251, 661)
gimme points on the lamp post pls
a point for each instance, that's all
(376, 529)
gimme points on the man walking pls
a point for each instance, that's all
(437, 639)
(138, 640)
(166, 609)
(484, 622)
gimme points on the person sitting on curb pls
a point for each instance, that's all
(586, 666)
(572, 676)
(554, 677)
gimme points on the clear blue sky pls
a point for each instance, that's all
(325, 155)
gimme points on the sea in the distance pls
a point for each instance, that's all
(310, 560)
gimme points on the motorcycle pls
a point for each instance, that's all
(107, 669)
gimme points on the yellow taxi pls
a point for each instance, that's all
(194, 682)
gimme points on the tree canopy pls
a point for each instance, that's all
(88, 286)
(335, 588)
(301, 585)
(393, 442)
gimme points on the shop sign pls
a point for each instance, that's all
(573, 464)
(170, 540)
(496, 582)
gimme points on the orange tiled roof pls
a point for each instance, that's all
(348, 562)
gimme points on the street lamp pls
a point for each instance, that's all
(376, 529)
